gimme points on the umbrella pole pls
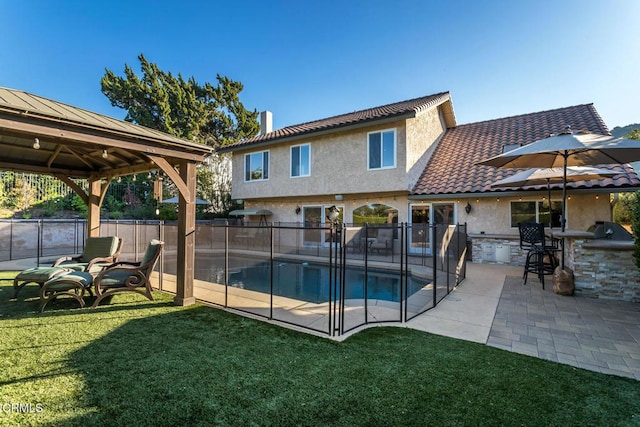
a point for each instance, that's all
(549, 200)
(564, 201)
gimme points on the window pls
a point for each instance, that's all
(382, 149)
(256, 166)
(536, 212)
(375, 214)
(300, 160)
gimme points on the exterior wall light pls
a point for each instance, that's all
(298, 209)
(467, 208)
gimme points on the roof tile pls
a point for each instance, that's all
(385, 111)
(453, 167)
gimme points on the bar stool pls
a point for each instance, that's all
(541, 257)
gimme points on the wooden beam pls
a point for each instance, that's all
(175, 177)
(65, 132)
(126, 170)
(75, 187)
(42, 169)
(80, 157)
(53, 156)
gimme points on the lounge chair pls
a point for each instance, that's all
(128, 276)
(98, 253)
(383, 241)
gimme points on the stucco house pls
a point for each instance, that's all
(414, 159)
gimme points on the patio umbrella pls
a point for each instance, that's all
(548, 176)
(569, 149)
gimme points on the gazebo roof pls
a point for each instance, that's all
(73, 141)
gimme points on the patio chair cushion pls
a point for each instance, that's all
(150, 252)
(99, 247)
(70, 280)
(115, 279)
(98, 253)
(41, 274)
(37, 275)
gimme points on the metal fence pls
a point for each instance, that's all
(327, 279)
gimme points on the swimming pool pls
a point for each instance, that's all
(309, 281)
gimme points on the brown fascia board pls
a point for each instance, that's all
(444, 100)
(326, 131)
(518, 193)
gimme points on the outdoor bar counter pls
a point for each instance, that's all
(602, 268)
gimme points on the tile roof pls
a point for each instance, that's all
(26, 103)
(453, 167)
(397, 109)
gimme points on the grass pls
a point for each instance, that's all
(142, 363)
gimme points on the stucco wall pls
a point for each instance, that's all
(284, 210)
(339, 162)
(423, 133)
(487, 215)
(493, 217)
(338, 166)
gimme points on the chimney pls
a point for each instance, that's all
(266, 122)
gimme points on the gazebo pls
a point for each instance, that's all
(43, 136)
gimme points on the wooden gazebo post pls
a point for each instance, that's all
(186, 236)
(93, 208)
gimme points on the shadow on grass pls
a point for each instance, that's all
(151, 363)
(202, 366)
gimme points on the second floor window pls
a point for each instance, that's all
(256, 166)
(382, 149)
(300, 160)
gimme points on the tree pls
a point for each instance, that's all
(208, 114)
(634, 134)
(623, 207)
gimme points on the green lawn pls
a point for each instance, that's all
(140, 363)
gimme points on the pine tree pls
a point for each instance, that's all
(208, 114)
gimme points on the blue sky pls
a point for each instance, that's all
(306, 60)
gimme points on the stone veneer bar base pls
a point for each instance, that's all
(603, 268)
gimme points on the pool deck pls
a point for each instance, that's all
(492, 307)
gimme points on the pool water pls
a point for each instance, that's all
(310, 282)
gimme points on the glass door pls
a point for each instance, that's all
(419, 235)
(312, 218)
(422, 216)
(316, 223)
(443, 214)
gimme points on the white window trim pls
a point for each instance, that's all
(290, 158)
(244, 166)
(395, 149)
